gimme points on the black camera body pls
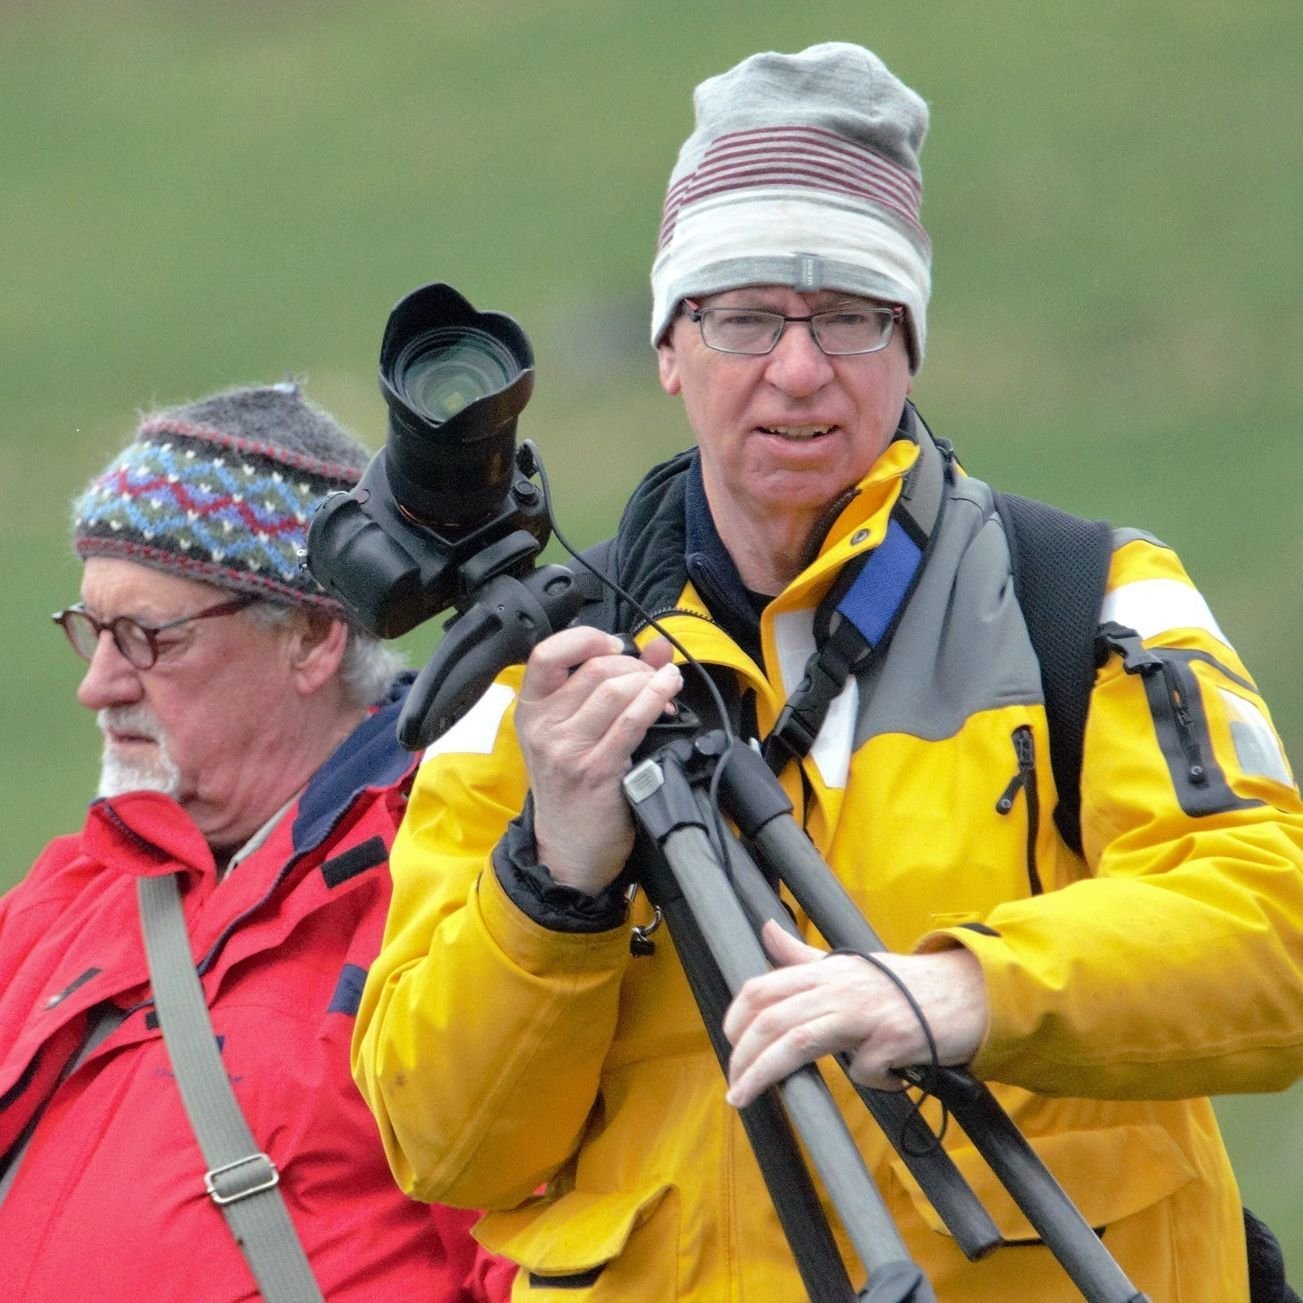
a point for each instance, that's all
(446, 514)
(446, 485)
(393, 572)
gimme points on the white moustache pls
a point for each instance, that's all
(139, 720)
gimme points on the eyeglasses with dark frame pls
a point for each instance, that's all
(137, 642)
(844, 331)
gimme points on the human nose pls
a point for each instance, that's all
(797, 365)
(110, 679)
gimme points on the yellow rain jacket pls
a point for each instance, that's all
(568, 1086)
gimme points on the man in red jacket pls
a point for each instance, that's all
(249, 752)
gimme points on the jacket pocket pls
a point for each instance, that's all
(1180, 718)
(1108, 1175)
(591, 1246)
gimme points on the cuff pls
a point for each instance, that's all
(550, 904)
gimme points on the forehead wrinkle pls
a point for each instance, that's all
(145, 595)
(143, 612)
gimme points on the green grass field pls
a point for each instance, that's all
(200, 194)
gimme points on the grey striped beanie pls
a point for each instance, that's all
(803, 170)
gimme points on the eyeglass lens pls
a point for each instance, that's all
(130, 638)
(837, 332)
(137, 642)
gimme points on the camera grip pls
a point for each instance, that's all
(500, 628)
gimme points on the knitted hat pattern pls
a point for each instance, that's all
(803, 171)
(221, 491)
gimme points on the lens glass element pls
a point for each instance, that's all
(443, 370)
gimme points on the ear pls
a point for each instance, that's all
(316, 650)
(667, 363)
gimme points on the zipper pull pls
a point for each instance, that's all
(1005, 803)
(1195, 770)
(1026, 753)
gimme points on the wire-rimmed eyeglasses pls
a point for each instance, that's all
(840, 332)
(137, 642)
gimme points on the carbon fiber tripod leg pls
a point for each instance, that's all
(665, 807)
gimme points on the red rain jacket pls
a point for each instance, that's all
(108, 1200)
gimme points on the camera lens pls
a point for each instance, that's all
(443, 371)
(455, 381)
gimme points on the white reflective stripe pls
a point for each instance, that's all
(1153, 606)
(1257, 748)
(831, 752)
(476, 732)
(794, 643)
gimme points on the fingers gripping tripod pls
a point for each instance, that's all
(714, 898)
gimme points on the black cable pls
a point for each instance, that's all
(689, 659)
(933, 1066)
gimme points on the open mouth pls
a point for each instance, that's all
(798, 433)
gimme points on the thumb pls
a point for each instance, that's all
(783, 948)
(658, 652)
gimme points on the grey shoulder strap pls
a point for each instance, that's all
(241, 1180)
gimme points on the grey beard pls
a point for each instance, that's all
(119, 774)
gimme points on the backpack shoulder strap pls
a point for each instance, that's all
(1060, 567)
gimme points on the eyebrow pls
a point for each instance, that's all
(148, 621)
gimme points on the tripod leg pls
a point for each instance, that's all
(662, 802)
(931, 1166)
(767, 1127)
(785, 848)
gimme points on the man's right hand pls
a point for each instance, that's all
(583, 709)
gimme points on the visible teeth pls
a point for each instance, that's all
(797, 431)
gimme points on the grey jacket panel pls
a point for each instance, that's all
(962, 645)
(1124, 534)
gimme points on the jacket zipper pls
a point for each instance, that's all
(1174, 679)
(1024, 780)
(1178, 687)
(654, 617)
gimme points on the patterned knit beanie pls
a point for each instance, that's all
(802, 170)
(221, 491)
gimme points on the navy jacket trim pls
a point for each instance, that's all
(348, 991)
(371, 756)
(355, 860)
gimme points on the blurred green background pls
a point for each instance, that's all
(197, 194)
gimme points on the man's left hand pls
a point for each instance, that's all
(816, 1004)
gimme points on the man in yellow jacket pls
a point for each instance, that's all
(521, 1055)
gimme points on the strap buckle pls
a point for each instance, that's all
(256, 1173)
(1136, 658)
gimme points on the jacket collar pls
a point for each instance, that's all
(668, 535)
(149, 832)
(711, 567)
(370, 757)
